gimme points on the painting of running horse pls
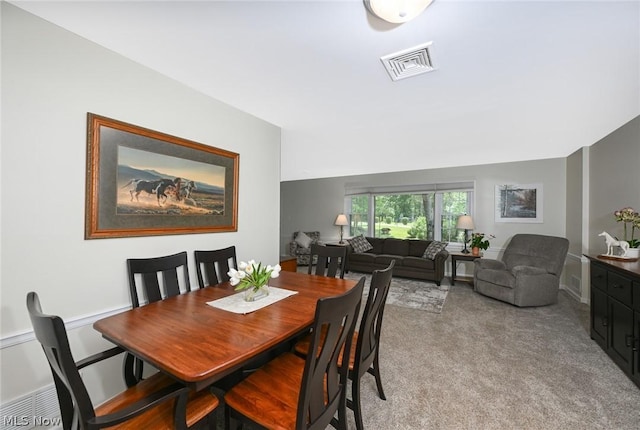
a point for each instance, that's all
(141, 182)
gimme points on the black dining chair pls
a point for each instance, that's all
(158, 402)
(159, 278)
(330, 260)
(291, 392)
(213, 266)
(364, 357)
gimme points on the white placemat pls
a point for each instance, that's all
(238, 305)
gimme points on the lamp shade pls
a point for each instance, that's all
(342, 220)
(465, 222)
(396, 11)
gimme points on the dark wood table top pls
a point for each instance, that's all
(198, 344)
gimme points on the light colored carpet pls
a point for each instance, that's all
(411, 293)
(484, 364)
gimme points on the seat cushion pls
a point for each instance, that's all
(418, 263)
(362, 257)
(499, 277)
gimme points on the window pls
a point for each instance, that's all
(428, 214)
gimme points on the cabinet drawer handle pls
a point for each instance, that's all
(604, 322)
(616, 285)
(628, 340)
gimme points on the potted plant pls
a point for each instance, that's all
(478, 242)
(253, 278)
(629, 216)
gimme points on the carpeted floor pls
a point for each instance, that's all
(411, 293)
(484, 364)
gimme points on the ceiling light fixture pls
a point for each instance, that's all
(396, 11)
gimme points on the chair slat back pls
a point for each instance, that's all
(72, 393)
(324, 381)
(213, 266)
(150, 269)
(371, 321)
(330, 260)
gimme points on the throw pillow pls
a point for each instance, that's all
(360, 244)
(433, 248)
(303, 240)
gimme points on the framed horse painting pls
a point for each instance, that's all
(142, 182)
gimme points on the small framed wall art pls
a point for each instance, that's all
(519, 203)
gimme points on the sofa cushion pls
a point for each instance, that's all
(418, 263)
(417, 247)
(498, 277)
(396, 247)
(360, 244)
(433, 249)
(377, 244)
(303, 240)
(386, 259)
(362, 257)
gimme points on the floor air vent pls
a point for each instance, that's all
(409, 62)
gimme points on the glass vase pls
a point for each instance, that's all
(252, 293)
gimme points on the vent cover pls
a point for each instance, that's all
(409, 62)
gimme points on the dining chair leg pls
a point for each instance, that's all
(375, 371)
(355, 404)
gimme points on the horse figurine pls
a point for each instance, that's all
(611, 243)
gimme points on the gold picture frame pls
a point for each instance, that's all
(142, 182)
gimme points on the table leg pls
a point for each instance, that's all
(453, 271)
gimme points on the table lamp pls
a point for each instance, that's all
(465, 222)
(341, 220)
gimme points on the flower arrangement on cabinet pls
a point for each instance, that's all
(629, 216)
(252, 274)
(478, 240)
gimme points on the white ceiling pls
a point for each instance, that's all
(514, 80)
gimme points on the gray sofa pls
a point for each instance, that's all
(529, 273)
(407, 253)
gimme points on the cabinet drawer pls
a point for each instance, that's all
(599, 277)
(619, 288)
(636, 298)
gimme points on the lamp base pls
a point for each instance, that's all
(465, 251)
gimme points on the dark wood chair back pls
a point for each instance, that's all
(303, 393)
(150, 269)
(371, 321)
(148, 405)
(330, 260)
(213, 266)
(324, 381)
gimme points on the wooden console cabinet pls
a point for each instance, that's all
(615, 312)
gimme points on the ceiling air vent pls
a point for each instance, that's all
(409, 62)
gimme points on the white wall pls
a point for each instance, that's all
(51, 78)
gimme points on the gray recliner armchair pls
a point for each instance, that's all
(529, 273)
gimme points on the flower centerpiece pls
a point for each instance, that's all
(253, 278)
(629, 216)
(478, 242)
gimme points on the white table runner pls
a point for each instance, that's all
(238, 305)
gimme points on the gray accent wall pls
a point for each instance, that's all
(313, 204)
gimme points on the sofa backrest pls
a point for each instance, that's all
(401, 247)
(547, 252)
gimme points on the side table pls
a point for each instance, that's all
(288, 263)
(459, 256)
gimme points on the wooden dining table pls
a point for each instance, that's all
(198, 344)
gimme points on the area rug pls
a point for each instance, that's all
(410, 293)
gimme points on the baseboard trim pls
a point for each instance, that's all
(28, 336)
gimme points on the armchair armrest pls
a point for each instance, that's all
(95, 358)
(528, 270)
(485, 263)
